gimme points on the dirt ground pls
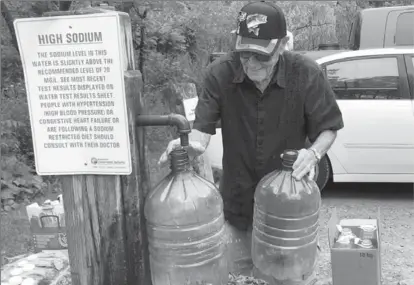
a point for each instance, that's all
(396, 205)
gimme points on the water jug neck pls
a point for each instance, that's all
(179, 160)
(289, 158)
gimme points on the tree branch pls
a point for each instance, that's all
(141, 45)
(311, 26)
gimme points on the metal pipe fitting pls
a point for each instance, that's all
(177, 120)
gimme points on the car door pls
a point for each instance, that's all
(409, 63)
(374, 97)
(400, 28)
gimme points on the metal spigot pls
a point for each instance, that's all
(177, 120)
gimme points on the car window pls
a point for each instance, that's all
(405, 29)
(373, 78)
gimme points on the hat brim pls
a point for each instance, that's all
(265, 47)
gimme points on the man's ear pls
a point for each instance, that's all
(284, 41)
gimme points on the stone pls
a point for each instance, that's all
(46, 266)
(58, 264)
(406, 282)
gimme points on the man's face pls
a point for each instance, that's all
(259, 67)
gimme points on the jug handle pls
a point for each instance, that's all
(49, 216)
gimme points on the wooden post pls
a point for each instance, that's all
(175, 96)
(107, 239)
(106, 231)
(136, 187)
(104, 215)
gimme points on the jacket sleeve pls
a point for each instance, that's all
(321, 109)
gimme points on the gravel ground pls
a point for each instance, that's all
(396, 206)
(395, 202)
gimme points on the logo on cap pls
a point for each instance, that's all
(254, 21)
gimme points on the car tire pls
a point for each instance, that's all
(323, 173)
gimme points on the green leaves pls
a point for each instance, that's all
(18, 183)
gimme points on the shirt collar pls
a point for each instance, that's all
(278, 76)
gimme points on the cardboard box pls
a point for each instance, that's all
(47, 224)
(357, 265)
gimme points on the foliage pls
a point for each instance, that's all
(311, 23)
(12, 73)
(179, 37)
(345, 12)
(18, 183)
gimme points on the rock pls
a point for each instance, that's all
(29, 281)
(15, 280)
(58, 264)
(406, 282)
(244, 280)
(64, 278)
(20, 182)
(43, 267)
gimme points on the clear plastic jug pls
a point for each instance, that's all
(185, 225)
(285, 225)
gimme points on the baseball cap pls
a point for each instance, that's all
(260, 25)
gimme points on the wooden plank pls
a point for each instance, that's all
(93, 213)
(107, 240)
(175, 95)
(136, 186)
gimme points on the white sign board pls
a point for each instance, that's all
(75, 89)
(189, 108)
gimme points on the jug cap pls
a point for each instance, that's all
(290, 155)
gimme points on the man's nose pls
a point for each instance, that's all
(253, 61)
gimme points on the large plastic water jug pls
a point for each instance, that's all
(285, 226)
(185, 225)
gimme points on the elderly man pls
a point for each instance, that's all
(268, 99)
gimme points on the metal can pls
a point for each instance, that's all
(347, 232)
(368, 231)
(366, 243)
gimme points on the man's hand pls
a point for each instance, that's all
(194, 149)
(304, 164)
